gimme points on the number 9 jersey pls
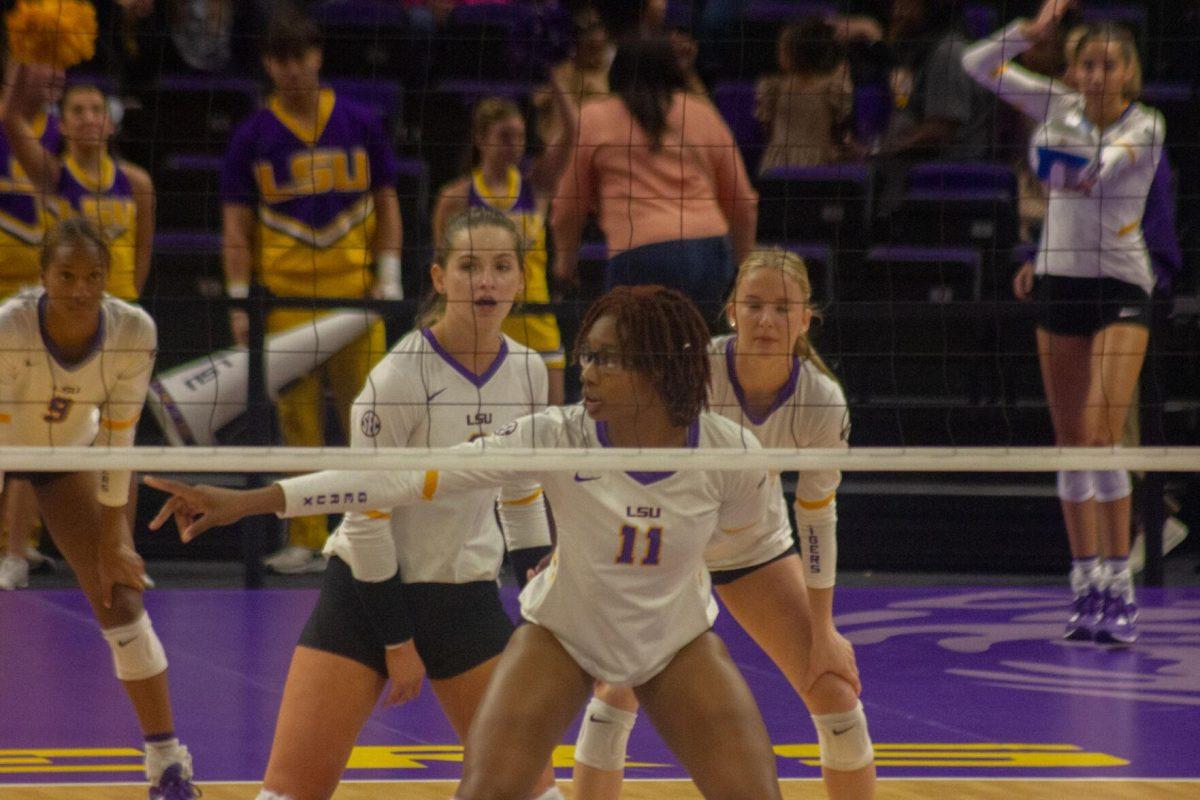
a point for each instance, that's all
(94, 401)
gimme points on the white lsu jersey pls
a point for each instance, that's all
(419, 395)
(1091, 234)
(45, 402)
(809, 411)
(627, 587)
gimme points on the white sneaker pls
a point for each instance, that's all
(1173, 534)
(14, 573)
(295, 560)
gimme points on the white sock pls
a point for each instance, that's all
(164, 753)
(1085, 573)
(550, 794)
(1119, 580)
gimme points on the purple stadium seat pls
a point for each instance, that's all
(935, 274)
(735, 101)
(826, 204)
(962, 175)
(785, 11)
(358, 13)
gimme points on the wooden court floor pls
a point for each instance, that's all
(678, 790)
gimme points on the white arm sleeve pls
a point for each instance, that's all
(990, 62)
(345, 491)
(826, 424)
(523, 517)
(370, 547)
(123, 406)
(1135, 156)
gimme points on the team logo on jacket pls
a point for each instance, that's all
(506, 430)
(370, 424)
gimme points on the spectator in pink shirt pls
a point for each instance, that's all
(664, 176)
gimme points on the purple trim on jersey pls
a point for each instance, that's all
(52, 348)
(525, 203)
(74, 192)
(647, 478)
(784, 394)
(1158, 226)
(264, 138)
(477, 380)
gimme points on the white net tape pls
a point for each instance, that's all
(855, 459)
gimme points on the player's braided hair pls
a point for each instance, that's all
(662, 335)
(75, 232)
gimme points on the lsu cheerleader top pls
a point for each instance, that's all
(312, 194)
(22, 214)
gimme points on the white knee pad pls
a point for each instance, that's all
(550, 794)
(137, 652)
(1111, 485)
(1076, 486)
(266, 794)
(603, 736)
(844, 739)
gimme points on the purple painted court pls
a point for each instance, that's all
(965, 682)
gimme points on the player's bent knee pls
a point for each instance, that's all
(844, 740)
(604, 736)
(829, 692)
(137, 652)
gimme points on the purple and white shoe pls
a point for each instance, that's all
(1086, 612)
(1118, 622)
(174, 786)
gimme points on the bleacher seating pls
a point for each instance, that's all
(364, 38)
(826, 204)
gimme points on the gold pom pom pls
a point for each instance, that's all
(61, 33)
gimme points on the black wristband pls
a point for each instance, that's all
(525, 559)
(386, 609)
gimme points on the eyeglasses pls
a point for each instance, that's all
(602, 359)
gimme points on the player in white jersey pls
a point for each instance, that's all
(626, 598)
(411, 591)
(1093, 283)
(769, 379)
(74, 367)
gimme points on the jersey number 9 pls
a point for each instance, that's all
(58, 409)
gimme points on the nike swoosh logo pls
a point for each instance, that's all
(127, 641)
(429, 397)
(581, 479)
(594, 718)
(836, 732)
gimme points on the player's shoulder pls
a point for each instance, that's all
(1147, 118)
(818, 384)
(522, 357)
(129, 322)
(400, 365)
(720, 431)
(18, 313)
(353, 109)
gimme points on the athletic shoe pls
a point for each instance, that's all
(296, 560)
(173, 786)
(1173, 534)
(1118, 623)
(1086, 611)
(14, 573)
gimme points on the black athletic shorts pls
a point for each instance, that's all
(1083, 306)
(35, 478)
(457, 626)
(723, 576)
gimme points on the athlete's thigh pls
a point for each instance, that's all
(461, 695)
(301, 413)
(1066, 364)
(771, 604)
(327, 699)
(72, 513)
(704, 711)
(535, 692)
(1119, 351)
